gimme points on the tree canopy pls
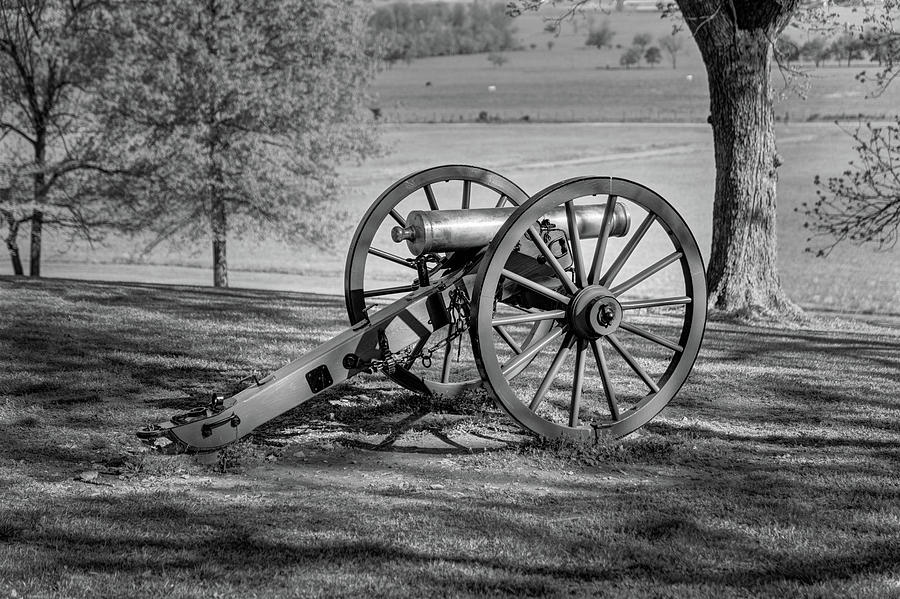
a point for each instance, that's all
(245, 108)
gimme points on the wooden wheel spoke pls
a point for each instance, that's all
(561, 274)
(466, 195)
(575, 243)
(647, 273)
(604, 378)
(533, 349)
(502, 201)
(390, 290)
(504, 334)
(432, 201)
(655, 302)
(390, 257)
(396, 216)
(551, 373)
(577, 382)
(536, 287)
(651, 337)
(600, 250)
(528, 317)
(626, 355)
(622, 258)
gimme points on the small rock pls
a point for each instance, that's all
(161, 442)
(271, 457)
(299, 454)
(436, 487)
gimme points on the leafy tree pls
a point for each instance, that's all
(630, 57)
(246, 106)
(652, 56)
(53, 55)
(642, 40)
(847, 47)
(600, 36)
(497, 59)
(672, 44)
(815, 50)
(735, 39)
(440, 29)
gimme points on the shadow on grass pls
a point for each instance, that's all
(314, 541)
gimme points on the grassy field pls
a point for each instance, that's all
(672, 154)
(772, 473)
(674, 159)
(576, 82)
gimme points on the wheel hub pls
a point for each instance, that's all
(594, 312)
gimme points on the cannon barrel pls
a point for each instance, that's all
(453, 230)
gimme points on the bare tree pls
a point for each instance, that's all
(861, 205)
(52, 55)
(672, 44)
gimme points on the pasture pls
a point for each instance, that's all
(647, 124)
(674, 159)
(760, 479)
(575, 82)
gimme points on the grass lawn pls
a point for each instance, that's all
(772, 473)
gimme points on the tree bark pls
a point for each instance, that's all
(219, 231)
(37, 228)
(39, 194)
(735, 39)
(13, 232)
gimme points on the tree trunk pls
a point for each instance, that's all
(736, 48)
(13, 232)
(219, 232)
(37, 227)
(39, 194)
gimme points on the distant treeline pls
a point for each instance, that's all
(416, 30)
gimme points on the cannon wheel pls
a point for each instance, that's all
(628, 331)
(443, 187)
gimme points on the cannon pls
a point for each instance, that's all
(580, 310)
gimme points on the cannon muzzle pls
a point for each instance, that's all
(454, 230)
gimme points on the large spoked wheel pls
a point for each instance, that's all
(628, 311)
(379, 270)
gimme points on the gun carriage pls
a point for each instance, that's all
(579, 310)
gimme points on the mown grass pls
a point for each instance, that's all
(574, 82)
(773, 473)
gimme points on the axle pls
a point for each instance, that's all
(454, 230)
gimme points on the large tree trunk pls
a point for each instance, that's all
(734, 39)
(219, 233)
